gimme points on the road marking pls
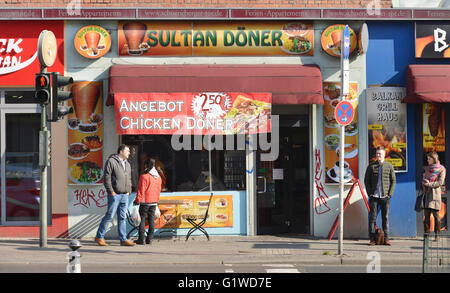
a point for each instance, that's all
(229, 271)
(282, 271)
(279, 265)
(281, 268)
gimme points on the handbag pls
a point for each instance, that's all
(418, 207)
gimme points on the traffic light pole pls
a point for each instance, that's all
(43, 166)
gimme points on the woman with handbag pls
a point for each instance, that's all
(149, 189)
(433, 180)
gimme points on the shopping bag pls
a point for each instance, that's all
(135, 217)
(157, 212)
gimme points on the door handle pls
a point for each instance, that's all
(265, 184)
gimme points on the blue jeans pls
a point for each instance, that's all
(117, 203)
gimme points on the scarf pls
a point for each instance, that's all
(434, 171)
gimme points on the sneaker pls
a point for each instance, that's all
(127, 243)
(101, 241)
(139, 241)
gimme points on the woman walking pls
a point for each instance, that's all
(149, 189)
(433, 179)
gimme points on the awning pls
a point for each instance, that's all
(427, 84)
(289, 84)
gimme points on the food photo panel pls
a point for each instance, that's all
(85, 134)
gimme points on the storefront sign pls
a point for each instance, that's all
(192, 113)
(92, 41)
(18, 50)
(332, 93)
(101, 13)
(433, 128)
(220, 211)
(182, 13)
(432, 40)
(432, 14)
(85, 137)
(331, 40)
(370, 12)
(215, 39)
(275, 13)
(21, 13)
(386, 122)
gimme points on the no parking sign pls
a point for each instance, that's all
(344, 113)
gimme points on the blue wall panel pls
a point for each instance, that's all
(391, 49)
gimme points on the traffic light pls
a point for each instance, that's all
(59, 95)
(42, 88)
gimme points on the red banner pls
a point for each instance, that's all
(18, 50)
(192, 113)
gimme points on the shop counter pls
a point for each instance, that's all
(227, 213)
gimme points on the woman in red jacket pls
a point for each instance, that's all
(149, 189)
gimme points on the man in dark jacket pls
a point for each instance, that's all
(380, 184)
(117, 182)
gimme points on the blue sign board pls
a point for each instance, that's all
(346, 42)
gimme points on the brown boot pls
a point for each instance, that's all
(101, 241)
(127, 243)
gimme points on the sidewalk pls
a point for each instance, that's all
(219, 250)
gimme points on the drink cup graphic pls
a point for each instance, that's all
(92, 39)
(85, 97)
(134, 34)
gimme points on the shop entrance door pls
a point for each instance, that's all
(283, 185)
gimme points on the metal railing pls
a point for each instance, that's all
(436, 253)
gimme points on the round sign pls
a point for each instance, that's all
(344, 113)
(47, 48)
(363, 39)
(331, 40)
(92, 41)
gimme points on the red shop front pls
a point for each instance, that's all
(19, 132)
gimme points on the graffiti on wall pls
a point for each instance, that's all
(87, 197)
(320, 202)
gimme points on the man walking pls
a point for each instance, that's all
(117, 182)
(380, 184)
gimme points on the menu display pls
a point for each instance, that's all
(386, 122)
(85, 133)
(433, 128)
(332, 94)
(175, 216)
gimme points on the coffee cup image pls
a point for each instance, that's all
(334, 172)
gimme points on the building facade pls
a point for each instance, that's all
(296, 192)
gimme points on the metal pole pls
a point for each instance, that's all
(210, 168)
(341, 160)
(43, 195)
(341, 191)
